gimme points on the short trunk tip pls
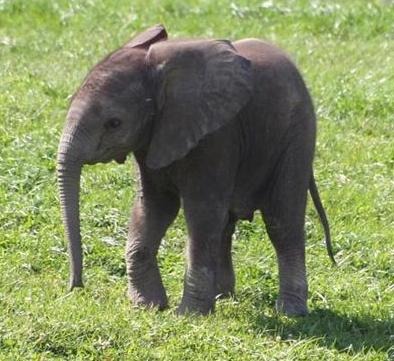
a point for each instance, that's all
(75, 284)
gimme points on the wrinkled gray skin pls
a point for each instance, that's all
(226, 129)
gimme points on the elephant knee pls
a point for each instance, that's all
(139, 254)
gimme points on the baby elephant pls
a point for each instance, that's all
(225, 128)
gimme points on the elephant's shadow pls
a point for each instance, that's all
(347, 333)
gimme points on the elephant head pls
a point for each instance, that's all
(152, 94)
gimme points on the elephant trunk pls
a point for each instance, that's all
(69, 168)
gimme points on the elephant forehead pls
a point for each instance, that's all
(83, 107)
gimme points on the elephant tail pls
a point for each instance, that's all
(322, 215)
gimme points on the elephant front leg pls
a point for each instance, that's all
(225, 277)
(205, 225)
(151, 216)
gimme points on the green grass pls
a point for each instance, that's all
(345, 49)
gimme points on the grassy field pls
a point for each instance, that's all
(345, 49)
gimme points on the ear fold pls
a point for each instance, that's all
(148, 37)
(204, 84)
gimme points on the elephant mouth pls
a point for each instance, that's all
(120, 159)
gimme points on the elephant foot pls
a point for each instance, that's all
(195, 308)
(149, 298)
(199, 292)
(225, 294)
(157, 302)
(291, 306)
(145, 287)
(225, 287)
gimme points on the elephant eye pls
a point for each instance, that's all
(113, 123)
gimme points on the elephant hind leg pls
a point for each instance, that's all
(288, 242)
(205, 234)
(284, 215)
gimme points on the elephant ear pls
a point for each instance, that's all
(148, 37)
(202, 86)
